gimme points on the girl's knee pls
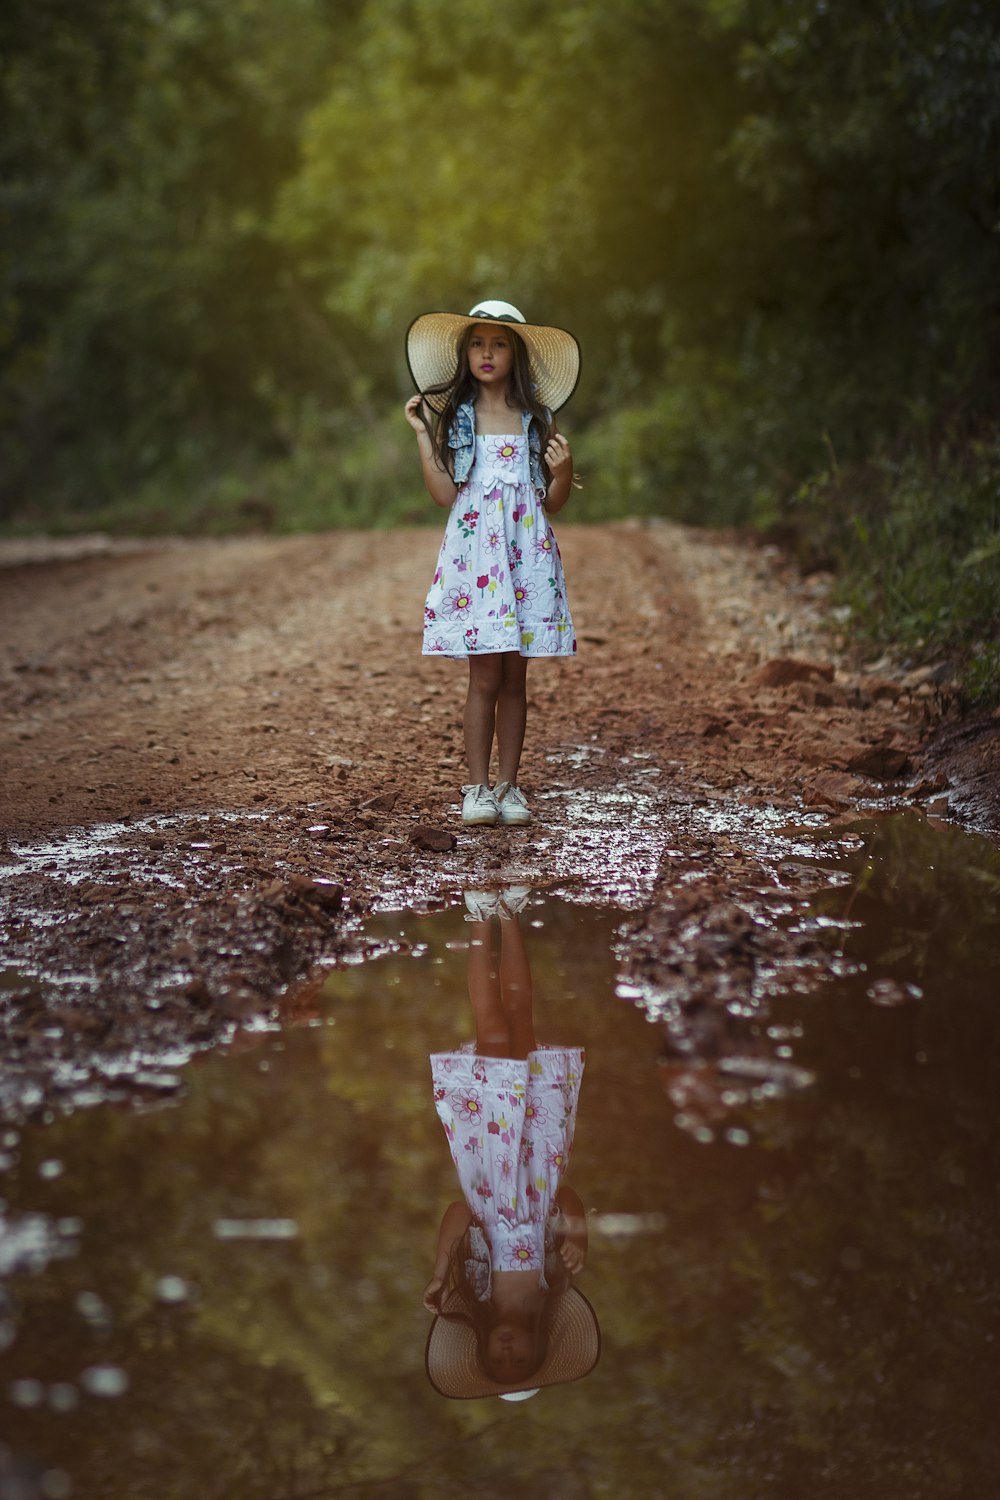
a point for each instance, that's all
(485, 676)
(514, 677)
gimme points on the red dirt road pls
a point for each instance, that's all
(219, 755)
(220, 674)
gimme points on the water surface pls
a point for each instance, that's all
(222, 1296)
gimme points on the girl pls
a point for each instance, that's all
(508, 1318)
(496, 462)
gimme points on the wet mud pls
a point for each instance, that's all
(220, 757)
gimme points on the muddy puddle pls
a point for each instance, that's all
(792, 1242)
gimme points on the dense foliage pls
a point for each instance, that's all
(773, 224)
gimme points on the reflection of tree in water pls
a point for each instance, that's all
(508, 1317)
(928, 899)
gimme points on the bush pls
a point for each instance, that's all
(917, 549)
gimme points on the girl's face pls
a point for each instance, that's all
(491, 357)
(510, 1353)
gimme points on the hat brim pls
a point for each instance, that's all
(453, 1367)
(432, 341)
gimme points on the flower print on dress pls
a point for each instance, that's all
(535, 1110)
(524, 591)
(458, 603)
(520, 1165)
(488, 583)
(481, 534)
(468, 1105)
(506, 450)
(545, 545)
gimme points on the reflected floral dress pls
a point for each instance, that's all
(510, 1124)
(499, 583)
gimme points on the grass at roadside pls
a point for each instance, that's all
(916, 550)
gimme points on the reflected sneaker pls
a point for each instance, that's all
(513, 808)
(479, 808)
(513, 901)
(481, 905)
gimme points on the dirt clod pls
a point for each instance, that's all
(437, 840)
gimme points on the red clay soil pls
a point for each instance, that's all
(216, 675)
(255, 720)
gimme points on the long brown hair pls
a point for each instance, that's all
(463, 386)
(483, 1317)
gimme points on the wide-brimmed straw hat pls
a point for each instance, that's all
(433, 338)
(573, 1351)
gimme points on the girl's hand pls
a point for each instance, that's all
(574, 1256)
(432, 1294)
(415, 413)
(558, 457)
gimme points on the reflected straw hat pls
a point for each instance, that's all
(453, 1368)
(433, 340)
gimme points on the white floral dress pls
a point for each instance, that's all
(499, 582)
(510, 1126)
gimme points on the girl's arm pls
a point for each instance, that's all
(560, 462)
(455, 1221)
(440, 485)
(572, 1225)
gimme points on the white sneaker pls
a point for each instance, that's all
(480, 808)
(513, 900)
(513, 808)
(481, 905)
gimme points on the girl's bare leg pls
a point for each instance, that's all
(501, 996)
(511, 713)
(485, 673)
(492, 1029)
(515, 988)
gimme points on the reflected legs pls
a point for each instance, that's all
(501, 993)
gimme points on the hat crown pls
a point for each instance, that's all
(503, 312)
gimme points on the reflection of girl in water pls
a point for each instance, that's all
(508, 1317)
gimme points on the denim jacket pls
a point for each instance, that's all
(462, 441)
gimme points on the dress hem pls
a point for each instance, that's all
(502, 651)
